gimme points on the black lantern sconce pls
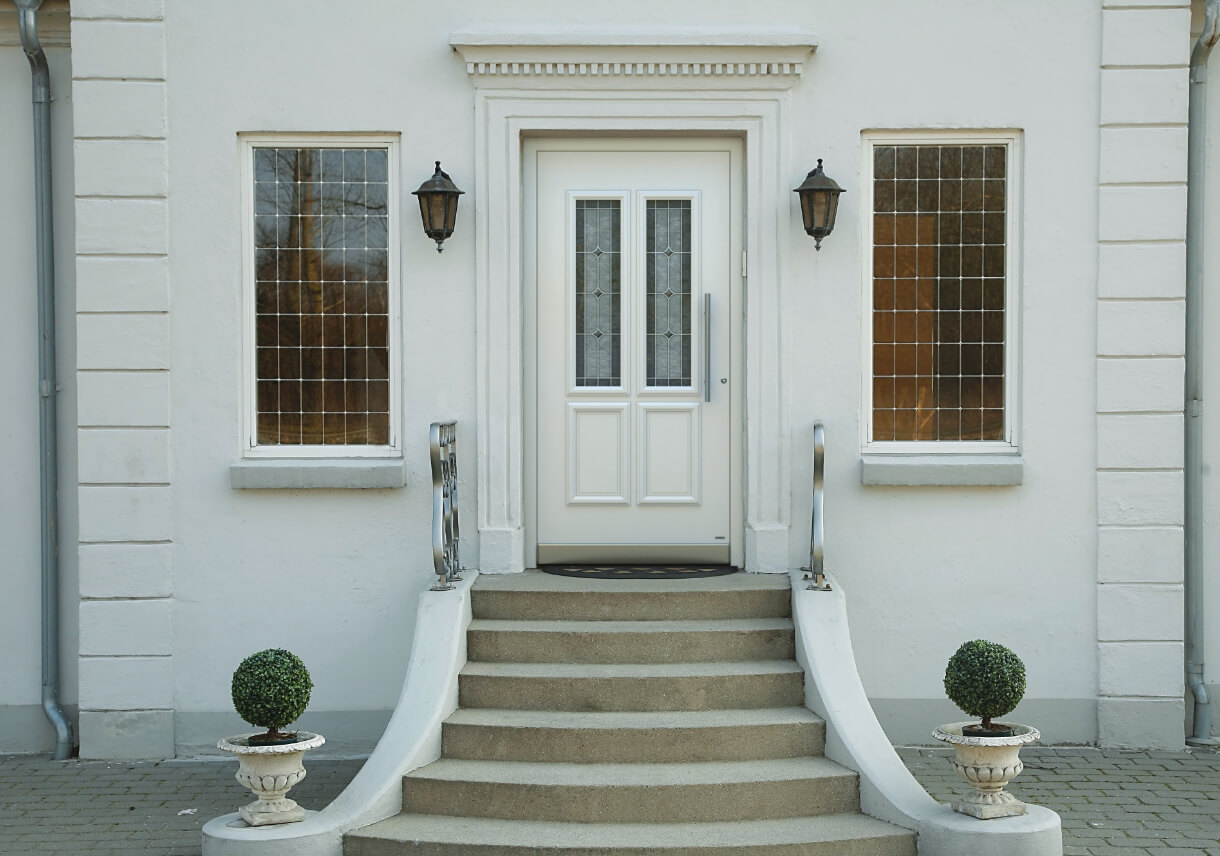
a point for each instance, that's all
(819, 203)
(438, 204)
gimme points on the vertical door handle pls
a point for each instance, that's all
(707, 347)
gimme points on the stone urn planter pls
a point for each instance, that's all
(270, 771)
(988, 764)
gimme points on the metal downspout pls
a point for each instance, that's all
(47, 423)
(1193, 499)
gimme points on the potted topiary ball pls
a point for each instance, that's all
(271, 690)
(986, 680)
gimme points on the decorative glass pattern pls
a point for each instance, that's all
(667, 300)
(939, 262)
(598, 292)
(322, 296)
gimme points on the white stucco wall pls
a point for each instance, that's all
(333, 574)
(23, 726)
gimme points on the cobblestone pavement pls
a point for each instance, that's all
(1112, 803)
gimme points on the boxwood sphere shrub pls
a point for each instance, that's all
(985, 679)
(271, 689)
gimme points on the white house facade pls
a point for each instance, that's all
(630, 327)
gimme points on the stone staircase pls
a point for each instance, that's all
(631, 717)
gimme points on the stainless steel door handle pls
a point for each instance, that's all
(707, 347)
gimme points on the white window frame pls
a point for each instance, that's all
(249, 418)
(1012, 257)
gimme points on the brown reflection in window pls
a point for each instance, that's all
(939, 260)
(321, 296)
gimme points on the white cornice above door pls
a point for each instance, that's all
(700, 58)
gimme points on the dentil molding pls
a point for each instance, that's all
(699, 58)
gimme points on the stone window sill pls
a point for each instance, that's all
(948, 470)
(294, 473)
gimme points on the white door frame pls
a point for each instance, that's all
(518, 99)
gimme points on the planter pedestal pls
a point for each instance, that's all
(270, 772)
(988, 764)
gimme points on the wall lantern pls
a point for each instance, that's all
(438, 203)
(819, 203)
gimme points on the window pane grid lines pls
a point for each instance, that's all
(321, 257)
(939, 282)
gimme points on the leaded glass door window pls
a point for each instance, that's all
(633, 443)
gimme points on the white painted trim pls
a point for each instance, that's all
(500, 335)
(411, 740)
(248, 142)
(854, 738)
(1012, 293)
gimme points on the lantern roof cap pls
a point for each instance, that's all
(818, 180)
(440, 182)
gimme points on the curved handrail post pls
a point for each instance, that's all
(817, 536)
(442, 447)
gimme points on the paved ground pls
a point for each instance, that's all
(1112, 803)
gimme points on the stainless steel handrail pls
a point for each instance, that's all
(442, 444)
(817, 534)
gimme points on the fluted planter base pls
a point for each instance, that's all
(270, 772)
(988, 764)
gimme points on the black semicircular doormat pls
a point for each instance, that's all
(639, 572)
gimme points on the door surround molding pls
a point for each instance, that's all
(741, 101)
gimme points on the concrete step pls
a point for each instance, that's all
(648, 686)
(825, 835)
(625, 737)
(661, 641)
(534, 595)
(632, 793)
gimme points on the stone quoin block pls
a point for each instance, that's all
(122, 284)
(123, 399)
(121, 513)
(122, 341)
(1141, 723)
(1139, 499)
(1153, 96)
(1152, 328)
(1152, 213)
(1140, 270)
(122, 167)
(152, 10)
(1143, 154)
(115, 108)
(124, 456)
(1145, 36)
(122, 226)
(125, 570)
(121, 735)
(1139, 613)
(1140, 669)
(125, 627)
(1140, 384)
(1140, 554)
(1139, 441)
(130, 50)
(126, 683)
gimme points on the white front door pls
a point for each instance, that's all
(636, 262)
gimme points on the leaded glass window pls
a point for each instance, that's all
(667, 267)
(598, 253)
(321, 295)
(939, 279)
